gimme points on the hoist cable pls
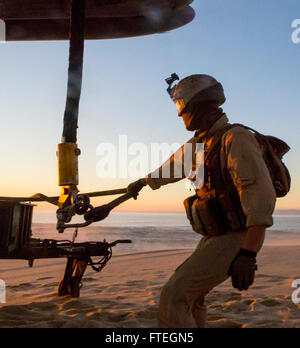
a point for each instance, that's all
(75, 71)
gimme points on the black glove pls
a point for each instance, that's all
(135, 187)
(242, 269)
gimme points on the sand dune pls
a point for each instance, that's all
(126, 293)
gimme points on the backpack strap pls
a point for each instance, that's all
(249, 128)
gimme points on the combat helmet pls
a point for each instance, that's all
(205, 87)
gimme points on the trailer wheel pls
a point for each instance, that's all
(62, 291)
(74, 288)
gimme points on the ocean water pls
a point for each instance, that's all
(153, 231)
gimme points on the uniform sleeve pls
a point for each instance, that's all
(176, 168)
(250, 176)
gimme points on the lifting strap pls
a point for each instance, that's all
(54, 200)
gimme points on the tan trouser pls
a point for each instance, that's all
(182, 298)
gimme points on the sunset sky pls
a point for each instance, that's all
(246, 45)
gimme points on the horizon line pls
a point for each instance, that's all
(277, 211)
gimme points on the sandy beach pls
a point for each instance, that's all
(126, 293)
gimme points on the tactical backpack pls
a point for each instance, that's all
(273, 150)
